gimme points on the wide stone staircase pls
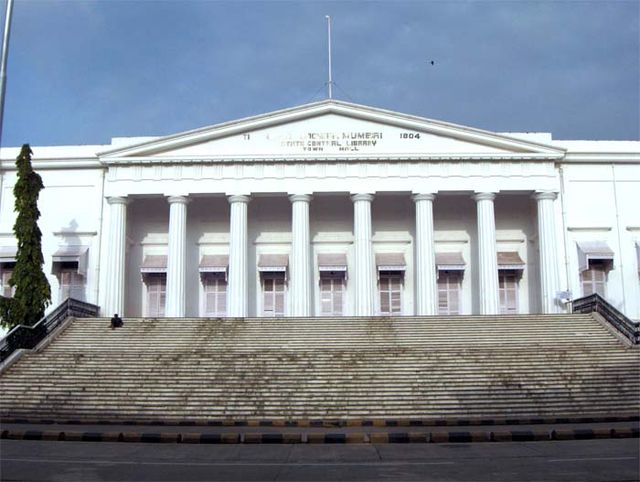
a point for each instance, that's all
(199, 370)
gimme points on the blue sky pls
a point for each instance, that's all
(81, 72)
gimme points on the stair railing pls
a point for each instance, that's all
(623, 324)
(22, 336)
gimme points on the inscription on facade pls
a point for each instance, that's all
(345, 141)
(341, 141)
(332, 141)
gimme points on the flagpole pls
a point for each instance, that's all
(3, 61)
(330, 84)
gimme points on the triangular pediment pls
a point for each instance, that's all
(328, 130)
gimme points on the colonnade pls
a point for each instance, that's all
(300, 279)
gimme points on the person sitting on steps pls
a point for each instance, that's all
(116, 322)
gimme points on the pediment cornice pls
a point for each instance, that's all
(155, 150)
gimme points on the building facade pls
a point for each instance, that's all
(335, 209)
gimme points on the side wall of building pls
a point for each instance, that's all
(71, 215)
(601, 203)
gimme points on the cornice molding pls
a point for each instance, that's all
(75, 233)
(494, 157)
(57, 163)
(579, 229)
(602, 157)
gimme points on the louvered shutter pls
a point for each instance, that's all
(449, 293)
(390, 291)
(268, 299)
(279, 300)
(594, 280)
(508, 289)
(331, 295)
(156, 294)
(215, 292)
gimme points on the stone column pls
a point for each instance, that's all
(115, 262)
(549, 278)
(365, 279)
(237, 288)
(426, 287)
(487, 254)
(176, 259)
(300, 281)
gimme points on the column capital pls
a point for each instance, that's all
(300, 198)
(118, 200)
(484, 196)
(362, 197)
(542, 195)
(427, 196)
(239, 198)
(178, 199)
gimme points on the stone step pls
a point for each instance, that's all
(356, 367)
(302, 372)
(420, 386)
(353, 405)
(354, 402)
(266, 373)
(146, 413)
(361, 361)
(259, 374)
(317, 379)
(453, 354)
(124, 336)
(509, 398)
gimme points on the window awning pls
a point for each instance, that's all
(450, 262)
(8, 254)
(332, 262)
(214, 263)
(593, 251)
(390, 262)
(70, 254)
(273, 263)
(510, 260)
(154, 263)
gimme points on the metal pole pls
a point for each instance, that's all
(3, 61)
(330, 74)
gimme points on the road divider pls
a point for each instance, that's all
(471, 436)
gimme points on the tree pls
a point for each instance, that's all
(33, 294)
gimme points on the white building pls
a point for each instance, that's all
(334, 208)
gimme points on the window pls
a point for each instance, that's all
(594, 279)
(595, 259)
(273, 293)
(449, 285)
(215, 294)
(331, 293)
(69, 265)
(508, 289)
(390, 286)
(156, 284)
(71, 285)
(6, 270)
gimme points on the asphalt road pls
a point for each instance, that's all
(584, 461)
